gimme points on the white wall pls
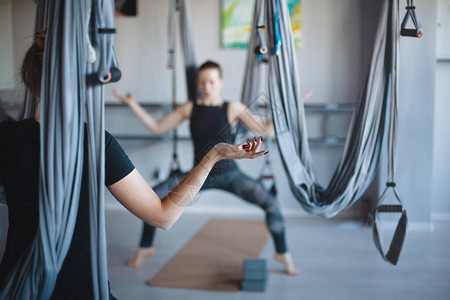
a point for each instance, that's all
(6, 49)
(22, 13)
(416, 113)
(441, 163)
(141, 45)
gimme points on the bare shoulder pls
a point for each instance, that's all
(236, 108)
(186, 109)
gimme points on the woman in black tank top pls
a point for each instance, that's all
(210, 117)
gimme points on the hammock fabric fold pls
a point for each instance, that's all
(3, 117)
(187, 43)
(67, 103)
(374, 115)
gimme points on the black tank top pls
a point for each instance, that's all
(209, 126)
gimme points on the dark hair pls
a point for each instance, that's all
(209, 64)
(32, 64)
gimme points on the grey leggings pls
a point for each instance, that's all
(236, 182)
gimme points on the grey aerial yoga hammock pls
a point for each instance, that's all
(376, 103)
(3, 116)
(190, 62)
(67, 102)
(187, 43)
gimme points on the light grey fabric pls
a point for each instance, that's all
(377, 102)
(187, 43)
(182, 7)
(361, 152)
(65, 99)
(35, 275)
(29, 106)
(3, 117)
(390, 194)
(252, 76)
(254, 88)
(106, 59)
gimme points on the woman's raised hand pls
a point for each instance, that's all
(248, 150)
(127, 99)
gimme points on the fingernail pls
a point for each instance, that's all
(244, 146)
(266, 152)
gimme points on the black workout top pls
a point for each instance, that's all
(209, 126)
(19, 175)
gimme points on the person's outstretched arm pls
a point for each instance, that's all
(254, 122)
(167, 123)
(250, 120)
(139, 198)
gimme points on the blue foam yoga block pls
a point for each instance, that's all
(255, 264)
(255, 269)
(254, 285)
(255, 275)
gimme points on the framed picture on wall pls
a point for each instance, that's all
(125, 8)
(236, 22)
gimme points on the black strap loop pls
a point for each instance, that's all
(411, 13)
(390, 184)
(397, 241)
(400, 232)
(106, 30)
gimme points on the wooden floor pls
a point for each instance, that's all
(337, 260)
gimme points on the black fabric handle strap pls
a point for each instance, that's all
(397, 241)
(411, 13)
(398, 238)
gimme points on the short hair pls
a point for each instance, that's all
(209, 64)
(32, 64)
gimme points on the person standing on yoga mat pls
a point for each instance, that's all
(211, 122)
(19, 175)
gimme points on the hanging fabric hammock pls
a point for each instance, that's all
(190, 64)
(376, 103)
(187, 43)
(3, 116)
(67, 102)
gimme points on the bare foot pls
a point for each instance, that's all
(139, 256)
(286, 260)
